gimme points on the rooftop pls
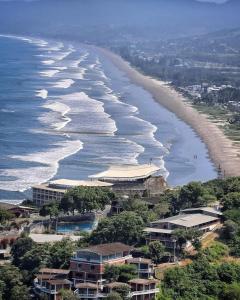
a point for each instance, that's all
(143, 281)
(108, 249)
(86, 285)
(205, 209)
(54, 271)
(115, 284)
(188, 220)
(59, 281)
(127, 172)
(67, 183)
(51, 238)
(139, 260)
(157, 230)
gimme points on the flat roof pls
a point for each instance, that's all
(127, 172)
(41, 238)
(139, 260)
(158, 230)
(206, 209)
(45, 186)
(74, 183)
(53, 271)
(188, 220)
(108, 249)
(143, 281)
(59, 281)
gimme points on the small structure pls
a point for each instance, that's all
(49, 282)
(88, 264)
(163, 229)
(17, 209)
(143, 289)
(7, 239)
(133, 179)
(55, 190)
(144, 266)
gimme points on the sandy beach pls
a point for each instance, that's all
(222, 150)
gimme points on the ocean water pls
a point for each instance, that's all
(67, 112)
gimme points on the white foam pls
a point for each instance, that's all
(48, 62)
(50, 119)
(42, 93)
(49, 73)
(50, 160)
(7, 110)
(64, 83)
(76, 63)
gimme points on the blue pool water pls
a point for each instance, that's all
(73, 227)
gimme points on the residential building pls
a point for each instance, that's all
(55, 190)
(88, 264)
(143, 289)
(163, 230)
(49, 282)
(145, 268)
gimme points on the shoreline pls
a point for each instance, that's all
(222, 151)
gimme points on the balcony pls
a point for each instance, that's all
(144, 292)
(44, 289)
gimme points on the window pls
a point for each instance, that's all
(92, 267)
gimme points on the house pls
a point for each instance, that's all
(144, 266)
(209, 211)
(133, 179)
(143, 289)
(88, 264)
(17, 209)
(55, 190)
(49, 282)
(163, 229)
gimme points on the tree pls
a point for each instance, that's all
(113, 296)
(184, 235)
(122, 273)
(51, 209)
(86, 199)
(20, 247)
(231, 292)
(231, 201)
(60, 253)
(194, 194)
(126, 227)
(111, 273)
(127, 272)
(67, 295)
(123, 290)
(156, 251)
(20, 292)
(12, 283)
(5, 216)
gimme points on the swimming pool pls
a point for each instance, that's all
(75, 226)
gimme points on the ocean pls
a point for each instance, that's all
(67, 112)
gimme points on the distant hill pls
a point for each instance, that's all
(159, 17)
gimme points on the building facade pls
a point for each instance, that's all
(88, 264)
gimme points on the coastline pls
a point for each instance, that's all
(222, 150)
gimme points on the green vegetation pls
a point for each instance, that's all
(122, 273)
(85, 199)
(5, 216)
(127, 227)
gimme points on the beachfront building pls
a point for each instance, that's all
(49, 282)
(133, 179)
(163, 230)
(88, 264)
(55, 190)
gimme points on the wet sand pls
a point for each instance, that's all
(222, 150)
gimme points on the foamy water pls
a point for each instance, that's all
(89, 118)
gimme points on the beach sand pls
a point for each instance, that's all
(222, 150)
